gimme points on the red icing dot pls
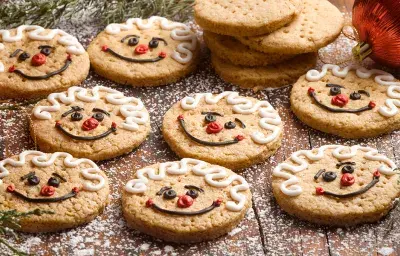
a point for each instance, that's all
(377, 174)
(340, 100)
(11, 69)
(372, 104)
(213, 127)
(310, 90)
(218, 202)
(10, 188)
(185, 201)
(114, 125)
(239, 137)
(149, 203)
(75, 190)
(180, 117)
(47, 191)
(104, 48)
(69, 57)
(90, 124)
(162, 55)
(347, 179)
(58, 123)
(319, 191)
(38, 59)
(141, 49)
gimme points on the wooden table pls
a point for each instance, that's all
(265, 230)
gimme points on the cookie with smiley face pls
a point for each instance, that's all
(75, 190)
(224, 129)
(352, 102)
(35, 61)
(185, 201)
(336, 185)
(98, 123)
(148, 52)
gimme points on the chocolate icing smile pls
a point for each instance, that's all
(112, 129)
(214, 205)
(59, 71)
(45, 200)
(132, 59)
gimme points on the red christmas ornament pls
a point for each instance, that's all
(378, 27)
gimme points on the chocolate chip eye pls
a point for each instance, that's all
(210, 118)
(335, 91)
(33, 180)
(230, 125)
(169, 194)
(329, 176)
(133, 41)
(45, 51)
(98, 116)
(23, 56)
(76, 116)
(355, 96)
(54, 182)
(153, 43)
(192, 193)
(347, 169)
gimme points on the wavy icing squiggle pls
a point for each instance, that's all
(290, 186)
(270, 119)
(382, 78)
(36, 33)
(135, 115)
(41, 159)
(179, 32)
(214, 176)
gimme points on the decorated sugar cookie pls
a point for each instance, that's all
(336, 185)
(185, 201)
(74, 190)
(35, 61)
(98, 123)
(225, 129)
(148, 52)
(352, 102)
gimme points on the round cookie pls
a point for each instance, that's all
(230, 49)
(148, 52)
(224, 129)
(185, 201)
(74, 191)
(262, 77)
(35, 61)
(317, 25)
(352, 102)
(336, 185)
(98, 123)
(243, 18)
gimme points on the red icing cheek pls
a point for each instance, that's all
(340, 100)
(38, 59)
(90, 124)
(185, 201)
(213, 127)
(347, 179)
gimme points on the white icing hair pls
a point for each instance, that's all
(381, 77)
(301, 159)
(135, 115)
(179, 32)
(41, 159)
(270, 119)
(214, 176)
(37, 33)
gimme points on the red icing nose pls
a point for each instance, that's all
(213, 127)
(90, 124)
(38, 59)
(185, 201)
(347, 179)
(141, 49)
(340, 100)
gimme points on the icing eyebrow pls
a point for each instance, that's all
(27, 175)
(344, 163)
(15, 53)
(363, 92)
(319, 174)
(59, 176)
(194, 187)
(100, 110)
(334, 85)
(211, 113)
(240, 122)
(128, 36)
(45, 46)
(73, 109)
(160, 39)
(162, 190)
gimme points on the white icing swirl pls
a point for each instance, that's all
(214, 176)
(383, 78)
(179, 32)
(270, 119)
(290, 186)
(131, 108)
(41, 159)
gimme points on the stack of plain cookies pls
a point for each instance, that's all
(266, 43)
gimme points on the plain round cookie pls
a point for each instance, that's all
(243, 18)
(177, 46)
(306, 197)
(140, 206)
(318, 24)
(83, 207)
(15, 85)
(230, 49)
(271, 76)
(369, 123)
(126, 121)
(256, 133)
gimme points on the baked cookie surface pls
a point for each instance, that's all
(74, 190)
(243, 18)
(224, 129)
(148, 52)
(35, 62)
(318, 24)
(352, 102)
(185, 201)
(98, 123)
(336, 185)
